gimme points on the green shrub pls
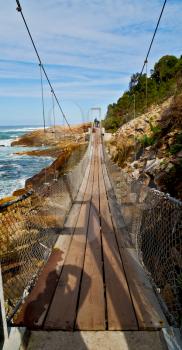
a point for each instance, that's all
(147, 140)
(164, 82)
(154, 128)
(177, 147)
(111, 124)
(179, 138)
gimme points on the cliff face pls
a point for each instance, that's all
(149, 148)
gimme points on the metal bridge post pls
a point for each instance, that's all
(3, 323)
(11, 338)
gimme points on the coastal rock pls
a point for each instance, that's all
(48, 152)
(135, 174)
(144, 178)
(147, 144)
(152, 166)
(60, 147)
(159, 180)
(20, 192)
(6, 200)
(135, 164)
(58, 167)
(51, 136)
(169, 167)
(149, 164)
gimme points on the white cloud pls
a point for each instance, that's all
(91, 47)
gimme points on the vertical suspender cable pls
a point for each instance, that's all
(19, 9)
(42, 94)
(54, 122)
(134, 105)
(53, 111)
(146, 85)
(134, 115)
(43, 114)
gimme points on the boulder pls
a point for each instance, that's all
(169, 167)
(20, 192)
(145, 179)
(135, 173)
(152, 166)
(135, 164)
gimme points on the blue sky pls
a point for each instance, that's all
(90, 50)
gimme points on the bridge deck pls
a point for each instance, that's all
(92, 280)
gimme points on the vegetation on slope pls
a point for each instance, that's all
(165, 81)
(150, 147)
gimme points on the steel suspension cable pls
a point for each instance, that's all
(53, 112)
(19, 9)
(42, 95)
(155, 31)
(134, 116)
(146, 85)
(54, 122)
(43, 114)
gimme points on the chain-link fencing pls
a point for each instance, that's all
(153, 221)
(29, 228)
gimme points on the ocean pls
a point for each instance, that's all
(15, 169)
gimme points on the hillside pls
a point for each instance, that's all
(149, 148)
(147, 140)
(165, 80)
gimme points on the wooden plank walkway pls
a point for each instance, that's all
(93, 280)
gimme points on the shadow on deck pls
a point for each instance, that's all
(93, 281)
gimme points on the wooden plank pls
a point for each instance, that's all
(62, 312)
(91, 310)
(147, 308)
(33, 311)
(120, 312)
(123, 237)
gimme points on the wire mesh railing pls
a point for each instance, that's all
(29, 229)
(153, 221)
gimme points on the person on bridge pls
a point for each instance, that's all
(96, 123)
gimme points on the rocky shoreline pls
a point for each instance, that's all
(31, 219)
(58, 143)
(52, 136)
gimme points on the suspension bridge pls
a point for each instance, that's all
(92, 281)
(98, 265)
(93, 250)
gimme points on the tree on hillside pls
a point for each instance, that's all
(165, 81)
(165, 69)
